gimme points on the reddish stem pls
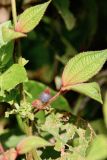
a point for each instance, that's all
(54, 97)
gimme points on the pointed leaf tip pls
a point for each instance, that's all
(31, 17)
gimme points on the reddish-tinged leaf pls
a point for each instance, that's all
(30, 18)
(29, 143)
(10, 154)
(83, 67)
(10, 34)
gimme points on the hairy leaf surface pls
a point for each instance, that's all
(83, 67)
(30, 18)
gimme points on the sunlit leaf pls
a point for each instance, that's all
(30, 18)
(13, 140)
(83, 67)
(13, 76)
(22, 61)
(5, 24)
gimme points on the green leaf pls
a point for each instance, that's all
(28, 143)
(76, 133)
(71, 156)
(66, 156)
(6, 24)
(36, 88)
(13, 76)
(30, 18)
(98, 149)
(63, 9)
(6, 54)
(22, 61)
(10, 34)
(52, 125)
(83, 67)
(99, 126)
(105, 109)
(13, 140)
(91, 90)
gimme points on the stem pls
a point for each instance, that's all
(54, 97)
(21, 89)
(35, 155)
(20, 122)
(14, 13)
(27, 129)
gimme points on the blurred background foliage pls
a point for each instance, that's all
(68, 27)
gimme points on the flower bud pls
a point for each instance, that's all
(45, 96)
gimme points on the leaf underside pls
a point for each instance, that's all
(10, 34)
(91, 90)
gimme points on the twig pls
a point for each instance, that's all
(28, 128)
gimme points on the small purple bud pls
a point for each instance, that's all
(44, 97)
